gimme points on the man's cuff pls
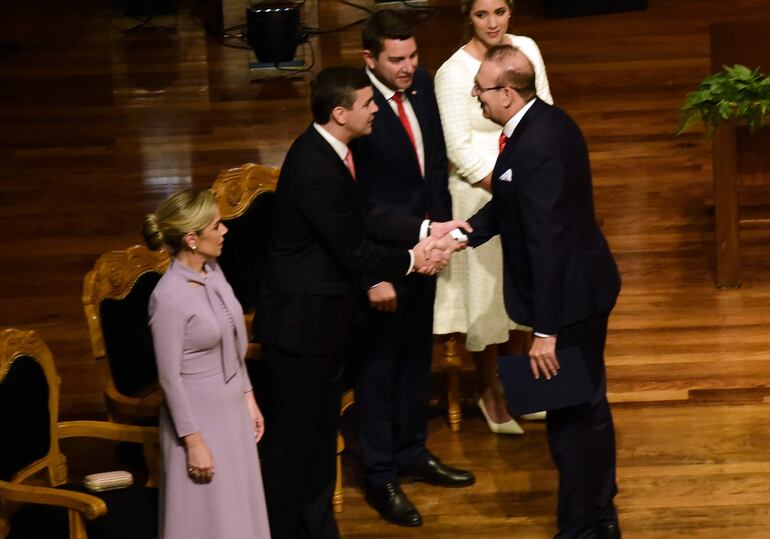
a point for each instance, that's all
(542, 335)
(425, 229)
(411, 262)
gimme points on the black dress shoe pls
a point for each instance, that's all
(608, 530)
(393, 505)
(430, 470)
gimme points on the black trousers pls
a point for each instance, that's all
(301, 406)
(393, 355)
(582, 442)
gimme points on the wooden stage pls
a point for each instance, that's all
(97, 126)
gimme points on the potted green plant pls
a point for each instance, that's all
(737, 92)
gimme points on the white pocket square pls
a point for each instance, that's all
(506, 176)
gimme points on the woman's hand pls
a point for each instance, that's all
(200, 461)
(485, 183)
(256, 416)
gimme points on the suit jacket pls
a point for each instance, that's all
(558, 267)
(319, 247)
(387, 169)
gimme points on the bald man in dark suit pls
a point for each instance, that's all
(560, 277)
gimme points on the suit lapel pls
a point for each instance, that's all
(532, 113)
(528, 119)
(328, 153)
(503, 162)
(418, 104)
(417, 99)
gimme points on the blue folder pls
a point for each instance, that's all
(525, 395)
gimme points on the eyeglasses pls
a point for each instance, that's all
(479, 90)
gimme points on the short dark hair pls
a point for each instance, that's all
(521, 80)
(382, 25)
(335, 87)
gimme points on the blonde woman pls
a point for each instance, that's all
(211, 484)
(469, 295)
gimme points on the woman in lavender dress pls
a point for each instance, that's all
(211, 486)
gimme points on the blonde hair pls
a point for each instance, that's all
(187, 211)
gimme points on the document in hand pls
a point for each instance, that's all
(525, 395)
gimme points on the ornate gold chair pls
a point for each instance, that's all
(452, 364)
(116, 293)
(245, 196)
(35, 499)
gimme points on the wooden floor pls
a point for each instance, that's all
(97, 126)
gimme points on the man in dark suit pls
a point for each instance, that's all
(402, 166)
(560, 277)
(323, 239)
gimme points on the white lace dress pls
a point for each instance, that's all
(469, 294)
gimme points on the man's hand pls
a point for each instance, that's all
(427, 259)
(449, 244)
(383, 297)
(439, 230)
(542, 357)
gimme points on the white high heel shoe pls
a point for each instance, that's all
(509, 427)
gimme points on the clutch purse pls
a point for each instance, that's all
(100, 482)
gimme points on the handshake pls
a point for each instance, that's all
(432, 254)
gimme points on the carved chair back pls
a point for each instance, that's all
(29, 400)
(116, 294)
(245, 199)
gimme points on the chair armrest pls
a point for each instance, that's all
(149, 437)
(90, 506)
(108, 431)
(146, 405)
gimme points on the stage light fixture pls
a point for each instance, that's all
(272, 31)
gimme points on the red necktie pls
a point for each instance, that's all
(502, 142)
(398, 98)
(351, 166)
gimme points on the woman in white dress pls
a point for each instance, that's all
(469, 296)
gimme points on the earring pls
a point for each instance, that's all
(193, 247)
